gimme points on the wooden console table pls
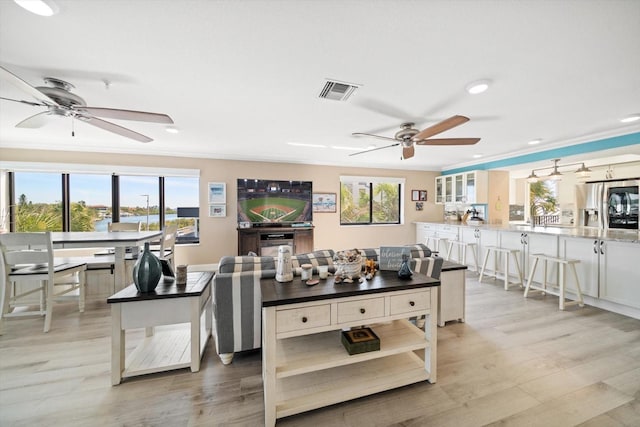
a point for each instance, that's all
(304, 364)
(169, 304)
(264, 241)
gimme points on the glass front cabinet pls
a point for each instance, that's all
(465, 187)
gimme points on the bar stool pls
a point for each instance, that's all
(436, 243)
(464, 246)
(505, 252)
(562, 263)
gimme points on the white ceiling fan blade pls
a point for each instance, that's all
(34, 122)
(112, 127)
(35, 104)
(9, 77)
(374, 149)
(118, 114)
(375, 136)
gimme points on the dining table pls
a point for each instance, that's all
(119, 240)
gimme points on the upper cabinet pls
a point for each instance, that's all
(465, 187)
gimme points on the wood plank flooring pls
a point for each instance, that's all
(515, 362)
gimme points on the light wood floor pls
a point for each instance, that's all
(515, 362)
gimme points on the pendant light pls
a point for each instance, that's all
(583, 171)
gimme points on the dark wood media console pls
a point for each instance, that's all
(264, 241)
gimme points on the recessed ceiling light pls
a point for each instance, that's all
(631, 118)
(478, 86)
(171, 129)
(302, 144)
(534, 141)
(477, 156)
(39, 7)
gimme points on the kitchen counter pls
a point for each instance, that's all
(587, 233)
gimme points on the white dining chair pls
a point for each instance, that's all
(27, 266)
(167, 245)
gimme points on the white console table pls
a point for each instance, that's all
(304, 364)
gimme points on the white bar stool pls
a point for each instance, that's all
(464, 246)
(562, 279)
(437, 241)
(505, 252)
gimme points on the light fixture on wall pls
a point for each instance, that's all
(581, 172)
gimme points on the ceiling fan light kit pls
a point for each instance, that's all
(59, 101)
(408, 137)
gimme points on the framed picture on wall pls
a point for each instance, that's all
(217, 192)
(418, 195)
(217, 211)
(324, 202)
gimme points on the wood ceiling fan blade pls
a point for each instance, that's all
(112, 127)
(448, 141)
(375, 136)
(34, 122)
(374, 149)
(444, 125)
(408, 152)
(114, 113)
(9, 77)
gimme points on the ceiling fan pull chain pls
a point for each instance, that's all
(73, 127)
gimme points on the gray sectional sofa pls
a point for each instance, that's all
(237, 300)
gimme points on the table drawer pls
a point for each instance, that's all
(360, 310)
(407, 303)
(303, 318)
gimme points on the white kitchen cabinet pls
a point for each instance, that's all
(532, 243)
(607, 270)
(466, 187)
(439, 189)
(618, 272)
(424, 230)
(587, 251)
(448, 188)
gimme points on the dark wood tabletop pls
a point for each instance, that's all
(197, 282)
(276, 293)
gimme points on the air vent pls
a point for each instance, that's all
(338, 91)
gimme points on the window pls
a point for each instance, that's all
(38, 201)
(83, 197)
(181, 193)
(369, 200)
(543, 202)
(139, 201)
(90, 197)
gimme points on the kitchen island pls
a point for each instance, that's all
(607, 270)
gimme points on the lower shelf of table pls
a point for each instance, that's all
(167, 349)
(314, 390)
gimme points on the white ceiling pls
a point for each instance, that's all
(241, 78)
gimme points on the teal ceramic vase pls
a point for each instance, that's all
(147, 271)
(405, 272)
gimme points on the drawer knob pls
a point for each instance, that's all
(412, 303)
(304, 319)
(362, 310)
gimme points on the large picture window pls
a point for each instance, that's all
(88, 199)
(370, 200)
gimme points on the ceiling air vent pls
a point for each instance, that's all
(338, 91)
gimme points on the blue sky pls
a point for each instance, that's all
(96, 189)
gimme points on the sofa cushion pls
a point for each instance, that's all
(235, 264)
(315, 258)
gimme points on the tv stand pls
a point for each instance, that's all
(264, 241)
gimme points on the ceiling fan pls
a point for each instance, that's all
(59, 101)
(408, 137)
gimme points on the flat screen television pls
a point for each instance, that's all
(273, 202)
